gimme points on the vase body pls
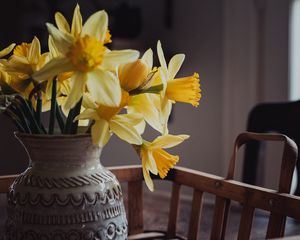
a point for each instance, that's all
(65, 193)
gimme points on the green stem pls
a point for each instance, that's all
(60, 118)
(53, 108)
(76, 112)
(70, 127)
(15, 120)
(38, 105)
(29, 113)
(23, 120)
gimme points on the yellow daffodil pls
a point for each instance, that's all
(83, 53)
(7, 50)
(5, 78)
(136, 77)
(155, 159)
(186, 89)
(24, 62)
(107, 121)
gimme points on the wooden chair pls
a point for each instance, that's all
(279, 117)
(280, 204)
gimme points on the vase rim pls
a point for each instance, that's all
(54, 136)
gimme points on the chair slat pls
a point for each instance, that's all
(195, 215)
(246, 222)
(173, 211)
(220, 218)
(135, 207)
(276, 226)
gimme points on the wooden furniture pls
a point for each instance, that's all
(281, 117)
(280, 204)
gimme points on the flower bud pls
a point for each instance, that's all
(132, 75)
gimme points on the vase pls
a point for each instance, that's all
(65, 193)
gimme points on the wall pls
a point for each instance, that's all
(219, 38)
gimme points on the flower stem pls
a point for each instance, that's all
(53, 108)
(38, 106)
(29, 113)
(23, 120)
(70, 127)
(77, 109)
(59, 117)
(15, 120)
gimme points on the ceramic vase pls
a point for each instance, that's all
(65, 193)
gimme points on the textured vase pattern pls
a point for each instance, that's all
(65, 193)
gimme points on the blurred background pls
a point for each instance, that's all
(245, 52)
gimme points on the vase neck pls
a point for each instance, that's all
(64, 149)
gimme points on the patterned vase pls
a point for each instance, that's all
(65, 193)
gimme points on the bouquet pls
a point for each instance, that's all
(82, 82)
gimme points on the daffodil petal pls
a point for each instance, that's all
(174, 65)
(147, 178)
(7, 50)
(96, 25)
(161, 56)
(148, 58)
(131, 119)
(61, 22)
(166, 109)
(62, 40)
(125, 130)
(34, 52)
(141, 127)
(16, 64)
(151, 162)
(143, 105)
(113, 59)
(100, 132)
(87, 101)
(52, 48)
(78, 81)
(76, 22)
(167, 141)
(52, 68)
(104, 87)
(87, 114)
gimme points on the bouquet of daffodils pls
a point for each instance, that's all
(80, 81)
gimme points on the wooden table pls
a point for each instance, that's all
(155, 216)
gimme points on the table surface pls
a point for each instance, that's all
(155, 217)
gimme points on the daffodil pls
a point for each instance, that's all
(76, 27)
(83, 52)
(155, 159)
(24, 62)
(136, 78)
(5, 79)
(186, 89)
(107, 121)
(7, 50)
